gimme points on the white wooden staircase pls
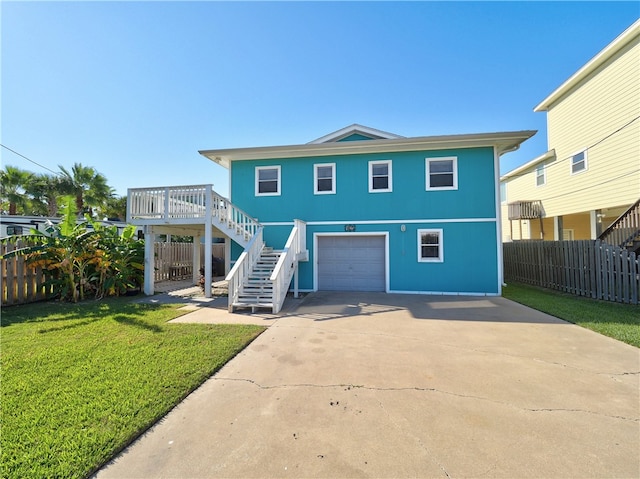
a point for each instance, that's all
(260, 277)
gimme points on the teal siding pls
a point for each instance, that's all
(474, 197)
(470, 246)
(355, 137)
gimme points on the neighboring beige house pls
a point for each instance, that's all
(590, 174)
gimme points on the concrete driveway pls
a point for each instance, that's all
(376, 385)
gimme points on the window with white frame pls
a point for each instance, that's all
(541, 176)
(324, 179)
(442, 173)
(380, 178)
(430, 246)
(268, 180)
(503, 192)
(579, 162)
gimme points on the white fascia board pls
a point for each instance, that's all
(353, 129)
(502, 141)
(551, 154)
(609, 51)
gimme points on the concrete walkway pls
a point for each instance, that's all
(375, 385)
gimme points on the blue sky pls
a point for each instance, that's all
(135, 89)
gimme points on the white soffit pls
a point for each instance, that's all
(502, 141)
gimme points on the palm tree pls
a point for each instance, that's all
(13, 185)
(45, 190)
(88, 186)
(115, 208)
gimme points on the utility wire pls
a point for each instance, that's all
(557, 162)
(30, 160)
(592, 186)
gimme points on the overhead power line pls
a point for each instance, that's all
(30, 160)
(558, 162)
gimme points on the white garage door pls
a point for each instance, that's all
(351, 263)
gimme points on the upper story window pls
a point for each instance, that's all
(430, 246)
(579, 162)
(324, 179)
(380, 178)
(503, 192)
(268, 180)
(442, 173)
(541, 175)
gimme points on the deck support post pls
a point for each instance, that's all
(149, 260)
(208, 237)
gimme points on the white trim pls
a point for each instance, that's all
(384, 222)
(389, 187)
(278, 180)
(354, 129)
(333, 179)
(443, 293)
(542, 166)
(503, 141)
(496, 182)
(367, 233)
(585, 160)
(454, 160)
(440, 258)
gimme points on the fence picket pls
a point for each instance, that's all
(584, 268)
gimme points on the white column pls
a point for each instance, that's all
(208, 237)
(595, 222)
(149, 260)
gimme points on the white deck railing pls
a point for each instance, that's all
(179, 203)
(244, 266)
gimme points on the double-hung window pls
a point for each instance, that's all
(442, 173)
(380, 178)
(430, 246)
(579, 162)
(541, 177)
(268, 180)
(324, 179)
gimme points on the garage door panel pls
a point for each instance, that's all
(351, 263)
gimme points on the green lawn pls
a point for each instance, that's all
(81, 381)
(616, 320)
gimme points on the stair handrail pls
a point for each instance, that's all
(243, 266)
(284, 269)
(628, 222)
(234, 217)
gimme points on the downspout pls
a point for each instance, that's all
(496, 161)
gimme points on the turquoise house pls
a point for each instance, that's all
(372, 211)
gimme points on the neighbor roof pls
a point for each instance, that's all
(503, 141)
(624, 39)
(551, 154)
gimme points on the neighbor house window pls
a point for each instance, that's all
(579, 162)
(430, 246)
(442, 173)
(503, 192)
(324, 179)
(14, 230)
(541, 177)
(380, 179)
(267, 180)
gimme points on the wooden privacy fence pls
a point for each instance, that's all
(21, 283)
(174, 261)
(585, 268)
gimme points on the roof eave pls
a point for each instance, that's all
(516, 171)
(502, 141)
(609, 51)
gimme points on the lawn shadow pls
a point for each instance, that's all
(133, 321)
